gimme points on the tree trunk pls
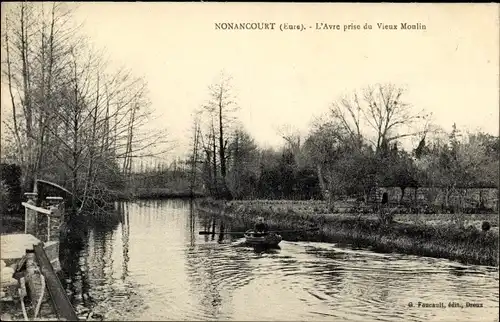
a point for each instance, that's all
(91, 147)
(403, 190)
(76, 147)
(214, 160)
(208, 170)
(14, 112)
(321, 180)
(194, 159)
(74, 181)
(28, 112)
(222, 148)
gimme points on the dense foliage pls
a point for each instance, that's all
(10, 189)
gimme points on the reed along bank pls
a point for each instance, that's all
(467, 245)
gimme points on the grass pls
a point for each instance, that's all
(441, 236)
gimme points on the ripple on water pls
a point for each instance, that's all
(370, 289)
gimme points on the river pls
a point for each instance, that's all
(155, 266)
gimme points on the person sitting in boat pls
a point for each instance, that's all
(261, 227)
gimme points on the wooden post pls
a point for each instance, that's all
(61, 303)
(30, 216)
(54, 220)
(26, 221)
(48, 226)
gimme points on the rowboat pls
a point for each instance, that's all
(262, 239)
(269, 239)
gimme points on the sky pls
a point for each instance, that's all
(288, 77)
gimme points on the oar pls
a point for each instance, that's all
(272, 231)
(222, 232)
(296, 230)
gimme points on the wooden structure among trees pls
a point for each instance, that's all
(34, 257)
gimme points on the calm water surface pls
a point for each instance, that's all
(155, 266)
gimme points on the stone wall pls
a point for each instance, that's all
(30, 220)
(470, 198)
(41, 227)
(56, 219)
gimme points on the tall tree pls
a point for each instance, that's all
(325, 145)
(244, 167)
(36, 46)
(220, 109)
(195, 158)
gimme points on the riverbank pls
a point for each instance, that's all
(157, 193)
(466, 244)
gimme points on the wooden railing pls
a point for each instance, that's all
(60, 301)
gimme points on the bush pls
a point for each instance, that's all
(11, 182)
(4, 197)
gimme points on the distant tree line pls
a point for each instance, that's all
(357, 146)
(173, 177)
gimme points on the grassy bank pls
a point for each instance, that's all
(463, 243)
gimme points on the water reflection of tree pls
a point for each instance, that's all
(99, 253)
(71, 250)
(88, 271)
(116, 293)
(192, 224)
(88, 300)
(210, 266)
(125, 239)
(215, 226)
(203, 280)
(85, 265)
(75, 268)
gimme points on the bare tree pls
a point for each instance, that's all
(73, 119)
(36, 55)
(19, 31)
(195, 152)
(15, 127)
(220, 110)
(244, 166)
(293, 139)
(382, 109)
